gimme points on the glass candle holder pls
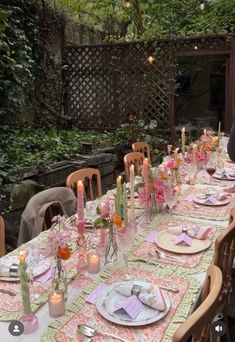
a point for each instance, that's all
(56, 304)
(93, 263)
(30, 322)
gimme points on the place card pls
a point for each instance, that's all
(44, 277)
(189, 198)
(211, 200)
(183, 239)
(151, 237)
(131, 305)
(95, 293)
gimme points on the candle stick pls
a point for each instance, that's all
(145, 174)
(125, 216)
(118, 199)
(132, 193)
(183, 140)
(204, 131)
(219, 128)
(194, 153)
(25, 292)
(80, 207)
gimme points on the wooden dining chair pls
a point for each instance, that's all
(197, 325)
(224, 257)
(142, 147)
(135, 158)
(91, 179)
(41, 208)
(2, 237)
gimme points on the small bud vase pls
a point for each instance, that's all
(59, 280)
(111, 248)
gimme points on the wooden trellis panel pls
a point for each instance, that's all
(106, 84)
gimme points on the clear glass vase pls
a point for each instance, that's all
(111, 247)
(59, 278)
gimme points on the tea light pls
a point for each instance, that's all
(93, 263)
(56, 304)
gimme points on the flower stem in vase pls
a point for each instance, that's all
(59, 282)
(111, 247)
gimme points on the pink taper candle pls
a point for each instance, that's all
(145, 173)
(132, 193)
(80, 207)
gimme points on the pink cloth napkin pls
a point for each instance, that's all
(200, 233)
(150, 295)
(43, 278)
(230, 190)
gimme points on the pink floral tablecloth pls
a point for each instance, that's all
(188, 208)
(11, 307)
(64, 329)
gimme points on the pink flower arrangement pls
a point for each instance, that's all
(159, 186)
(104, 208)
(171, 164)
(58, 236)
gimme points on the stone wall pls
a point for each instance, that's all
(14, 197)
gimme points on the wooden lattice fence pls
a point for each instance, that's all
(106, 84)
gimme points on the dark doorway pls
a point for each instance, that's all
(200, 93)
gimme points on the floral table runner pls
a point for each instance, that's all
(187, 207)
(64, 329)
(144, 247)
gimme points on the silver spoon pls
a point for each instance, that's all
(88, 331)
(162, 255)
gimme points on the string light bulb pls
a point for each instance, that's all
(202, 6)
(127, 4)
(151, 59)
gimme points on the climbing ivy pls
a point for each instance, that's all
(18, 54)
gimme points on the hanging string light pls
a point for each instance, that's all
(202, 6)
(127, 4)
(151, 59)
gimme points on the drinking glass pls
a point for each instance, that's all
(125, 241)
(211, 166)
(170, 197)
(192, 171)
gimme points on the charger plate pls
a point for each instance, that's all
(165, 241)
(42, 266)
(109, 298)
(202, 201)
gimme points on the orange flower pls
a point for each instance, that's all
(150, 186)
(177, 161)
(117, 220)
(64, 252)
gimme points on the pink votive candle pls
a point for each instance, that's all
(56, 304)
(93, 263)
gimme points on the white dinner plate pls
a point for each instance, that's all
(201, 201)
(221, 177)
(107, 301)
(42, 266)
(165, 240)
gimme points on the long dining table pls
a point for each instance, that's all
(185, 271)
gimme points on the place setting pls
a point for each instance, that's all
(178, 242)
(198, 202)
(122, 310)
